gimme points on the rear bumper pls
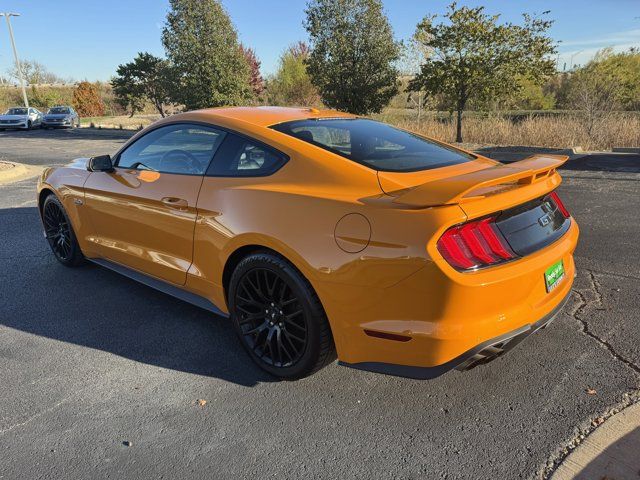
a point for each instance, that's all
(482, 353)
(438, 318)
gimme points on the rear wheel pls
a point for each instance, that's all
(59, 233)
(279, 318)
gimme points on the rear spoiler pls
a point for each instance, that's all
(482, 183)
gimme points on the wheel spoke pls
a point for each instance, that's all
(249, 301)
(289, 302)
(251, 317)
(288, 333)
(257, 330)
(294, 314)
(295, 324)
(256, 288)
(288, 339)
(284, 347)
(279, 346)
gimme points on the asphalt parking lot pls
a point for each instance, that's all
(91, 360)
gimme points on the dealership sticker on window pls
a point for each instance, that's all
(554, 275)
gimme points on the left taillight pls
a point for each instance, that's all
(556, 199)
(475, 244)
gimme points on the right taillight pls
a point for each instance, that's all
(475, 244)
(554, 196)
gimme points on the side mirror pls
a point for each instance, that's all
(100, 163)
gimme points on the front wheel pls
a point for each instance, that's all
(59, 233)
(29, 125)
(279, 318)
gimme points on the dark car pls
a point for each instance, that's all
(61, 116)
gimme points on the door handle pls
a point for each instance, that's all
(174, 202)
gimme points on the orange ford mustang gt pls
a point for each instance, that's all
(320, 234)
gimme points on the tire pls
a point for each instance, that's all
(278, 317)
(29, 125)
(59, 233)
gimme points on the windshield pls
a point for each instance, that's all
(58, 110)
(16, 111)
(374, 144)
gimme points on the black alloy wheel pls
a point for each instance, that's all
(279, 318)
(271, 318)
(59, 233)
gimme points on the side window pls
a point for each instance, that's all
(180, 148)
(241, 157)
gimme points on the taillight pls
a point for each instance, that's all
(475, 244)
(560, 205)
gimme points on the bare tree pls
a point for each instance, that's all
(34, 73)
(594, 94)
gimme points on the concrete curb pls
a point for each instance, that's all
(17, 172)
(611, 451)
(518, 152)
(509, 154)
(626, 150)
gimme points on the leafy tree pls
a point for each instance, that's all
(352, 61)
(623, 72)
(202, 44)
(128, 93)
(87, 101)
(291, 84)
(44, 97)
(475, 58)
(529, 96)
(146, 78)
(34, 73)
(255, 77)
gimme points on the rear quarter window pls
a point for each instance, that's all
(241, 157)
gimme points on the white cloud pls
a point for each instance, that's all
(582, 57)
(628, 36)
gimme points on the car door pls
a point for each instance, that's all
(144, 212)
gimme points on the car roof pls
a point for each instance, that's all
(267, 116)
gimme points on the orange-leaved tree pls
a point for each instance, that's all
(87, 100)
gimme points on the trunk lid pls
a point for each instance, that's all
(517, 197)
(477, 185)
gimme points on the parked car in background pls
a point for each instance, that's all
(21, 117)
(61, 116)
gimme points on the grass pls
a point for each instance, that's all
(556, 129)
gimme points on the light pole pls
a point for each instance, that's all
(577, 53)
(15, 54)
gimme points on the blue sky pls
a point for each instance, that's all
(87, 39)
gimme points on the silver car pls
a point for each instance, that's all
(21, 117)
(61, 116)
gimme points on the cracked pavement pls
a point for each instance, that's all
(91, 360)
